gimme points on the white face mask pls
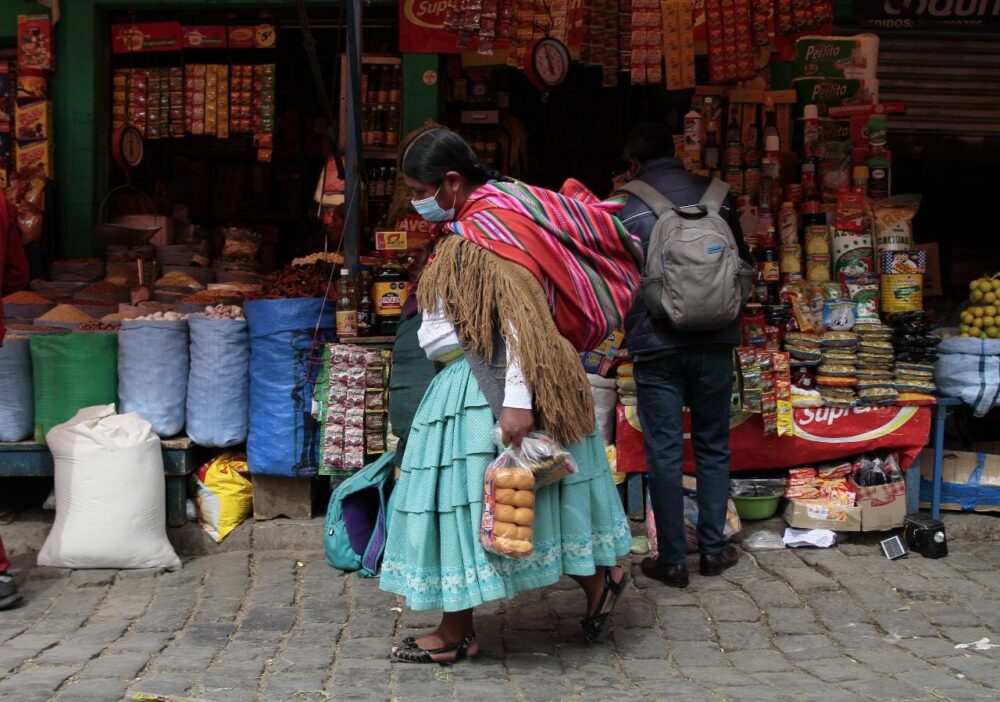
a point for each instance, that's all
(429, 209)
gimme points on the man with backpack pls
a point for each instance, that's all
(682, 331)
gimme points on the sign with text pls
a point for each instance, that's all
(144, 37)
(421, 28)
(971, 15)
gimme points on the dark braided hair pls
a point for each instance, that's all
(435, 152)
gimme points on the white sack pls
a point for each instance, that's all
(110, 494)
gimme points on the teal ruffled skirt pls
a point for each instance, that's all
(433, 556)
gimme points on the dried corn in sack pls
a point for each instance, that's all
(71, 371)
(223, 494)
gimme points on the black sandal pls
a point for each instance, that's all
(409, 652)
(595, 627)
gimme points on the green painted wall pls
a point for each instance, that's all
(420, 101)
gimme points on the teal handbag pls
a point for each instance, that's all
(357, 519)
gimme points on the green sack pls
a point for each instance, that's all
(72, 371)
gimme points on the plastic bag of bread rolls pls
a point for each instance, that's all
(508, 508)
(542, 455)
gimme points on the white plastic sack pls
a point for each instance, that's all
(110, 494)
(605, 393)
(969, 369)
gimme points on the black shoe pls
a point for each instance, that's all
(8, 592)
(672, 575)
(715, 563)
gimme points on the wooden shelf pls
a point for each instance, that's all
(368, 340)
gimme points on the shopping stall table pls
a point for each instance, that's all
(27, 459)
(822, 435)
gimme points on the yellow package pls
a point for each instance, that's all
(612, 453)
(223, 494)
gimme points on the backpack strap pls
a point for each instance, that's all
(650, 196)
(715, 196)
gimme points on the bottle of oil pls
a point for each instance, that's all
(391, 290)
(347, 309)
(366, 306)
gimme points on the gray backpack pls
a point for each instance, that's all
(694, 276)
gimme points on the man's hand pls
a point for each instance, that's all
(515, 424)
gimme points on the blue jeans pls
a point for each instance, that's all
(702, 381)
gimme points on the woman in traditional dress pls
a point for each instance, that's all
(499, 273)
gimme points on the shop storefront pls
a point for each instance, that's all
(188, 165)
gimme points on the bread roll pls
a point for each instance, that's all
(524, 533)
(513, 547)
(507, 530)
(505, 496)
(517, 478)
(504, 513)
(523, 516)
(522, 498)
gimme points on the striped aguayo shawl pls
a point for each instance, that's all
(586, 262)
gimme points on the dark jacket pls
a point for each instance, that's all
(645, 335)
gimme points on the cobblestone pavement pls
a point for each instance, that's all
(831, 625)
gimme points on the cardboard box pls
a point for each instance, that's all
(29, 154)
(34, 42)
(803, 515)
(932, 273)
(970, 482)
(33, 120)
(882, 506)
(878, 508)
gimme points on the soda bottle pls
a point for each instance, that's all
(346, 309)
(366, 306)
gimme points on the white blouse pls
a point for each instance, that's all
(437, 337)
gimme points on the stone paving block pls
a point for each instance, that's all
(693, 655)
(906, 624)
(233, 674)
(92, 578)
(531, 642)
(70, 653)
(792, 620)
(293, 686)
(759, 661)
(858, 635)
(730, 607)
(372, 647)
(188, 658)
(231, 694)
(37, 680)
(963, 634)
(836, 668)
(770, 592)
(926, 647)
(33, 642)
(975, 668)
(367, 624)
(885, 689)
(724, 676)
(797, 683)
(172, 683)
(932, 679)
(93, 689)
(140, 642)
(734, 636)
(118, 665)
(806, 580)
(540, 688)
(887, 660)
(468, 691)
(946, 615)
(805, 647)
(269, 619)
(752, 693)
(683, 623)
(913, 587)
(638, 644)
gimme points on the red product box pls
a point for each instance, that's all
(34, 42)
(145, 37)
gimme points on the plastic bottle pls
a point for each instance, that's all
(346, 309)
(770, 181)
(712, 155)
(809, 189)
(879, 163)
(391, 290)
(692, 133)
(861, 178)
(366, 306)
(810, 130)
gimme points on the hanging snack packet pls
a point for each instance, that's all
(753, 324)
(508, 507)
(750, 376)
(781, 364)
(863, 290)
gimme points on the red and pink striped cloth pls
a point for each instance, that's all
(571, 241)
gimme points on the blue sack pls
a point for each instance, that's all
(153, 372)
(17, 400)
(969, 369)
(218, 395)
(357, 519)
(285, 360)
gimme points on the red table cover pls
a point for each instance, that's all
(822, 434)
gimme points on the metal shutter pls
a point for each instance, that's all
(950, 84)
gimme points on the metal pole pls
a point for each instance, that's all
(354, 158)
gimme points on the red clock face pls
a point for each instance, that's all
(127, 147)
